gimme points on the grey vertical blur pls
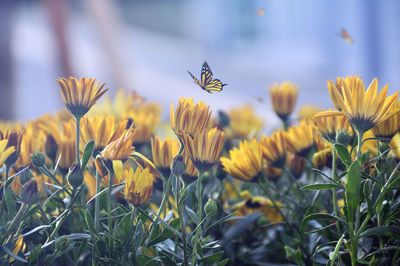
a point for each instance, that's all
(6, 70)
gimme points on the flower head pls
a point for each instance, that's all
(80, 96)
(329, 126)
(389, 127)
(245, 162)
(163, 154)
(283, 98)
(204, 148)
(300, 139)
(103, 130)
(146, 118)
(119, 149)
(14, 139)
(190, 117)
(244, 122)
(363, 108)
(259, 204)
(5, 151)
(138, 185)
(274, 149)
(337, 87)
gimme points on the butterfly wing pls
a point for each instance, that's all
(214, 86)
(195, 79)
(206, 74)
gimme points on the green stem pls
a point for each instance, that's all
(15, 221)
(335, 206)
(97, 204)
(78, 125)
(109, 205)
(4, 191)
(199, 214)
(180, 213)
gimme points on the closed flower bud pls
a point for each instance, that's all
(25, 176)
(38, 159)
(75, 175)
(50, 147)
(343, 137)
(29, 192)
(210, 208)
(178, 166)
(62, 243)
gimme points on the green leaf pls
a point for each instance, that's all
(343, 153)
(336, 251)
(241, 226)
(11, 254)
(388, 230)
(138, 235)
(213, 258)
(320, 216)
(36, 229)
(192, 215)
(82, 247)
(87, 153)
(166, 233)
(223, 219)
(223, 262)
(353, 183)
(89, 222)
(321, 186)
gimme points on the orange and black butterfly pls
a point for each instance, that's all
(207, 83)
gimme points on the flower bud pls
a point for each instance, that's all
(343, 137)
(29, 192)
(62, 243)
(25, 176)
(178, 166)
(210, 208)
(75, 175)
(38, 159)
(50, 147)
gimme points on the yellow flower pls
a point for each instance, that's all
(300, 139)
(272, 173)
(204, 148)
(296, 165)
(244, 122)
(119, 149)
(395, 145)
(5, 151)
(66, 146)
(80, 96)
(163, 154)
(283, 98)
(389, 127)
(329, 126)
(138, 185)
(259, 204)
(363, 108)
(102, 130)
(146, 118)
(323, 158)
(19, 246)
(191, 172)
(308, 111)
(14, 139)
(354, 81)
(33, 140)
(190, 117)
(274, 149)
(245, 162)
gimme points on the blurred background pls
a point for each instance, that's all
(149, 46)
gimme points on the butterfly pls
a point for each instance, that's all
(346, 36)
(207, 83)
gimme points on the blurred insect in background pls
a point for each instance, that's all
(344, 34)
(207, 83)
(260, 12)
